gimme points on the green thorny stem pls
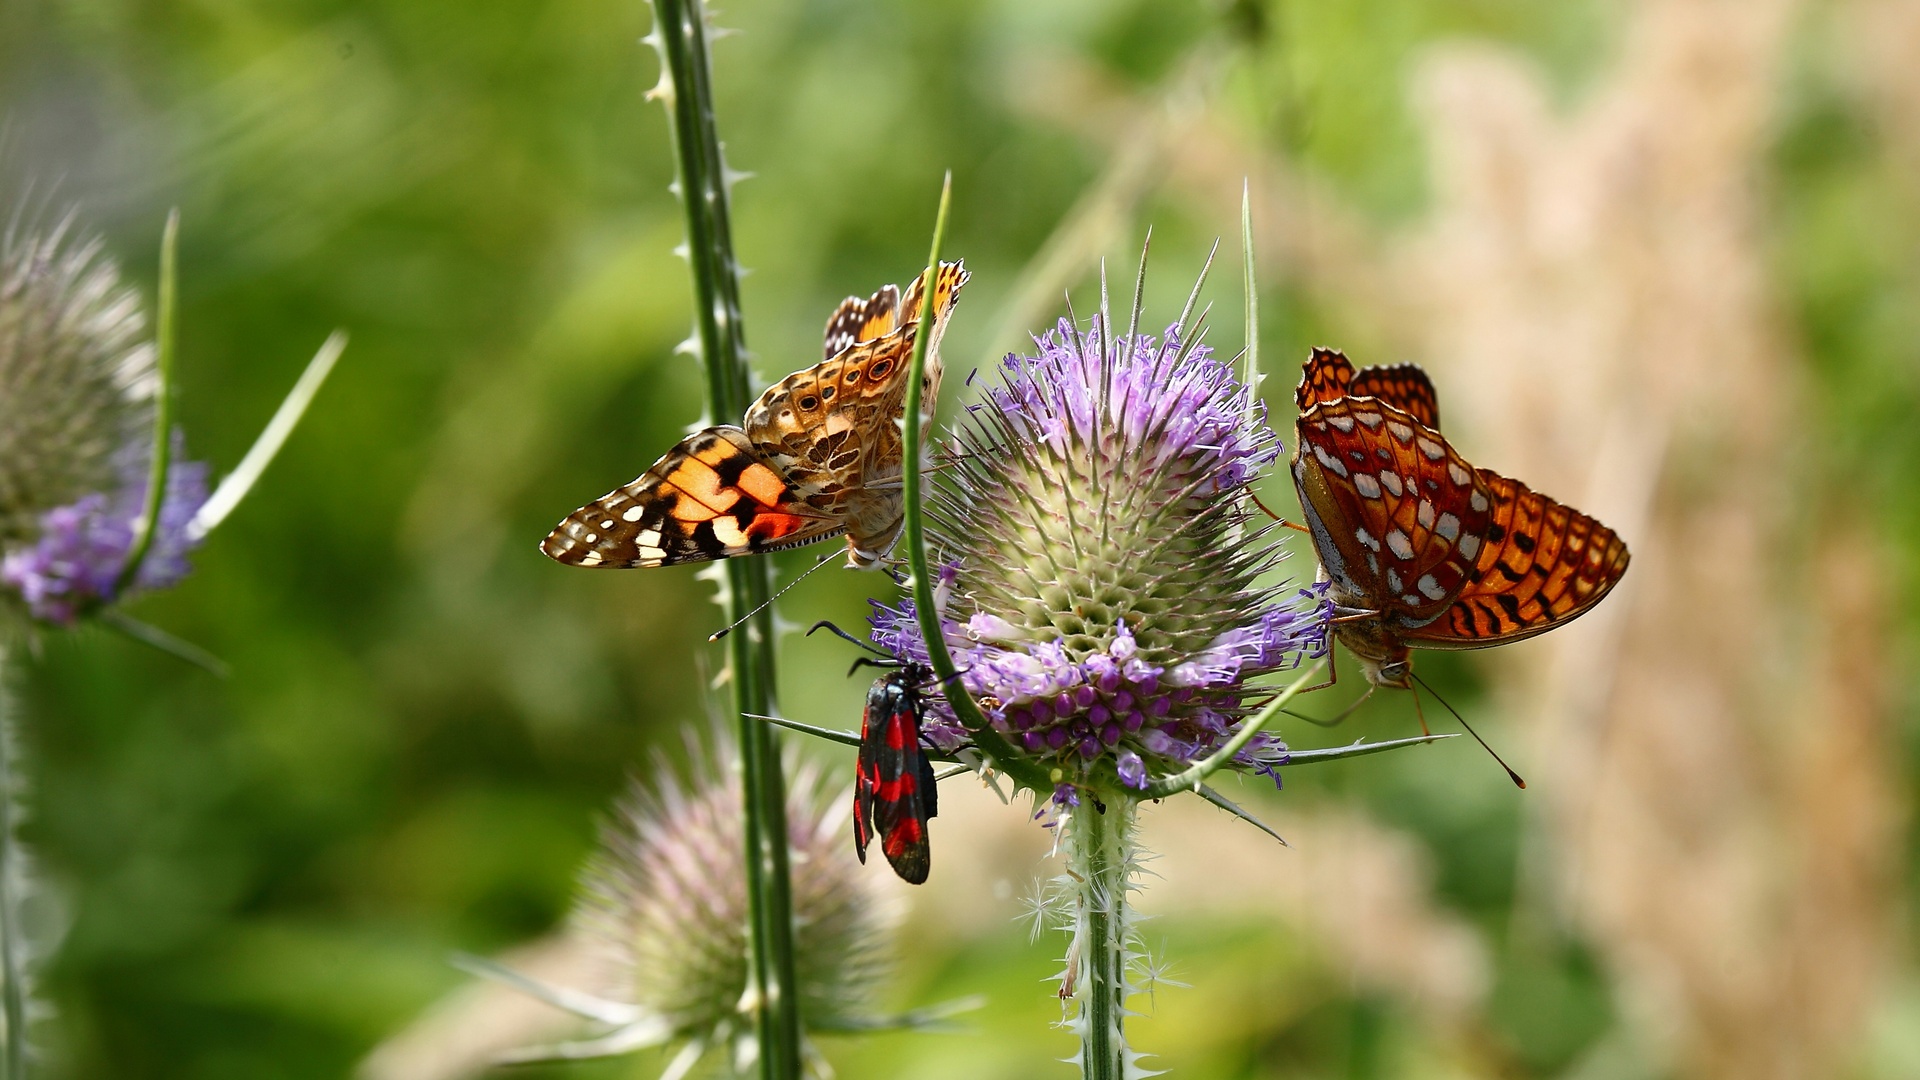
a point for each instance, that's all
(1097, 838)
(719, 341)
(14, 874)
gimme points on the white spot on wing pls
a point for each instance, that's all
(1430, 588)
(1458, 475)
(1393, 580)
(1424, 515)
(1402, 548)
(1361, 534)
(1449, 526)
(649, 539)
(1344, 423)
(1367, 485)
(633, 513)
(1329, 462)
(1391, 481)
(591, 558)
(1470, 546)
(1400, 430)
(1433, 450)
(1371, 419)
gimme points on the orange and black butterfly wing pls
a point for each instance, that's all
(1396, 514)
(1324, 377)
(710, 497)
(1403, 386)
(1329, 376)
(894, 792)
(857, 320)
(1541, 565)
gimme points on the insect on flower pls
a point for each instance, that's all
(894, 788)
(895, 792)
(817, 456)
(1423, 550)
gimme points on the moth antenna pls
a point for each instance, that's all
(783, 591)
(843, 635)
(868, 661)
(1511, 775)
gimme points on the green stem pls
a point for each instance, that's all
(999, 752)
(686, 90)
(149, 522)
(1099, 839)
(13, 991)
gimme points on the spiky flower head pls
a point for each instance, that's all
(667, 897)
(1103, 558)
(76, 398)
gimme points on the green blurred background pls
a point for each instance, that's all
(1662, 257)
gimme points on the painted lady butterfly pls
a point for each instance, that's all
(1424, 550)
(818, 455)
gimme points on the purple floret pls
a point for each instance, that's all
(76, 562)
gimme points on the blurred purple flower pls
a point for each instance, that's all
(82, 547)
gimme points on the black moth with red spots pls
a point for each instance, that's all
(894, 792)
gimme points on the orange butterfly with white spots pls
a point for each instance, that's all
(818, 455)
(1423, 550)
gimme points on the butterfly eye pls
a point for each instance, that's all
(879, 370)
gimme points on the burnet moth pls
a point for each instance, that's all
(894, 791)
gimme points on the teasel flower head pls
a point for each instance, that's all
(77, 386)
(1104, 586)
(666, 898)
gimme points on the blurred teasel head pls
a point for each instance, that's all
(77, 388)
(1104, 563)
(667, 899)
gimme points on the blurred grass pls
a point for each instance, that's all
(262, 878)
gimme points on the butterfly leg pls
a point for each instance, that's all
(1284, 523)
(1421, 713)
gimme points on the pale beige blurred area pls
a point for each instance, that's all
(465, 1032)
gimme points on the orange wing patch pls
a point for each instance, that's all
(1404, 386)
(1325, 377)
(1542, 564)
(710, 497)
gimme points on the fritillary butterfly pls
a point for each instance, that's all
(1422, 549)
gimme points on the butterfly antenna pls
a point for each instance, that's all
(843, 636)
(1511, 775)
(735, 625)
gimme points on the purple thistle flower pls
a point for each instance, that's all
(1102, 560)
(76, 562)
(76, 419)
